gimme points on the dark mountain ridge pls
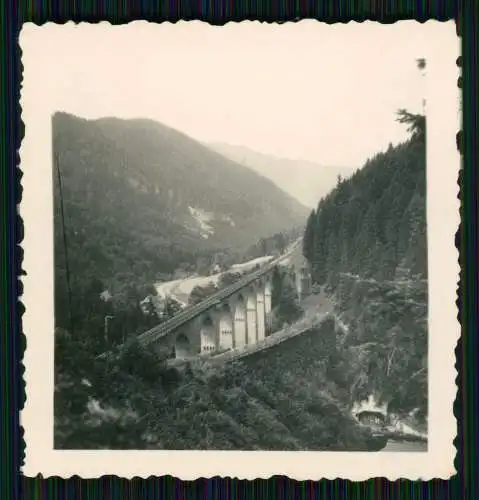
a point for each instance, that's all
(211, 173)
(141, 197)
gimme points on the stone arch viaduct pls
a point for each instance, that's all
(236, 316)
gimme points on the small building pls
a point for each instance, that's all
(373, 419)
(371, 412)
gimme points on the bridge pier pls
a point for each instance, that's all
(186, 343)
(260, 317)
(267, 305)
(239, 324)
(226, 327)
(251, 317)
(208, 334)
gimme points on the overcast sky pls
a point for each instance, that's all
(300, 90)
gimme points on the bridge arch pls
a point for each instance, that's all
(225, 327)
(268, 291)
(251, 316)
(184, 348)
(260, 316)
(207, 334)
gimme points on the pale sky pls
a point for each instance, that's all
(299, 90)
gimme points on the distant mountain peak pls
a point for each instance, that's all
(305, 180)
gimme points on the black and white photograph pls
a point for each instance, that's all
(241, 242)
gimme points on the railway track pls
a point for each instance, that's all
(191, 312)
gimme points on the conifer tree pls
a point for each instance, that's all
(308, 237)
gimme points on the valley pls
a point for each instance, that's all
(316, 182)
(287, 323)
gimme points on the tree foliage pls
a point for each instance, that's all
(279, 399)
(284, 298)
(366, 242)
(374, 223)
(227, 279)
(272, 245)
(200, 293)
(416, 123)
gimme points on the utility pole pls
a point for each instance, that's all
(65, 243)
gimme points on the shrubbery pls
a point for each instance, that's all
(272, 400)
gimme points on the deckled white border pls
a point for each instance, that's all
(443, 221)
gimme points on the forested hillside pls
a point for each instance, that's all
(367, 243)
(135, 200)
(273, 245)
(373, 224)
